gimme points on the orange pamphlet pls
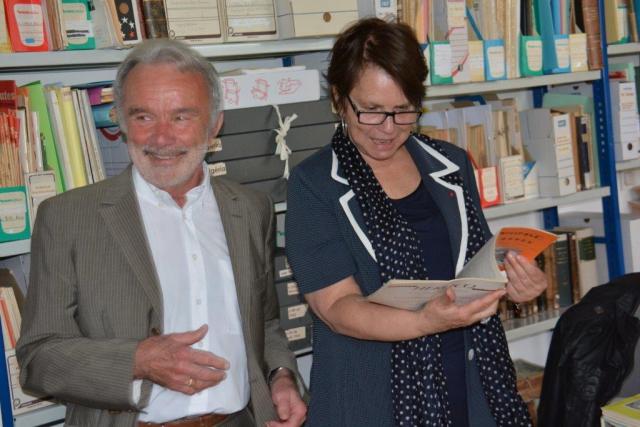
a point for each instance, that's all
(481, 275)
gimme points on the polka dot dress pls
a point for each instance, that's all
(417, 378)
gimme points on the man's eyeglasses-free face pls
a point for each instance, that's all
(378, 117)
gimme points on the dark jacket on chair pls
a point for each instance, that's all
(591, 353)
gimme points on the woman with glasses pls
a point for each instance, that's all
(380, 203)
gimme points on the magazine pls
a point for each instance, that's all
(484, 273)
(625, 412)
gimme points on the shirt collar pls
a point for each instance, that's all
(150, 193)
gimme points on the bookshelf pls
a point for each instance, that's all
(531, 325)
(448, 91)
(94, 60)
(50, 416)
(623, 49)
(18, 247)
(97, 58)
(532, 205)
(628, 165)
(526, 205)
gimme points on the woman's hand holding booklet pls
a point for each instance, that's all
(482, 274)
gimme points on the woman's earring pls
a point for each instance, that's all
(343, 123)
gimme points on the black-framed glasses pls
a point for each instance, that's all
(378, 117)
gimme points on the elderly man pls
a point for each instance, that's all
(151, 299)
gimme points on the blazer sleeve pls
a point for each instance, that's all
(55, 356)
(316, 249)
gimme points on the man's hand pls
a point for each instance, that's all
(291, 410)
(169, 360)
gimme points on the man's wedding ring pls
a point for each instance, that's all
(190, 382)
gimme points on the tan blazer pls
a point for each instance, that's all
(94, 294)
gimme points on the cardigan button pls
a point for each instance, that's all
(155, 331)
(471, 354)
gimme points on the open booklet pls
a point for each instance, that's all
(482, 274)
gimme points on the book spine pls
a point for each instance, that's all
(563, 272)
(591, 16)
(155, 20)
(74, 146)
(587, 261)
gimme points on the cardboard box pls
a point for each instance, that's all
(547, 137)
(299, 337)
(310, 18)
(288, 293)
(266, 87)
(280, 218)
(14, 216)
(249, 20)
(292, 316)
(282, 269)
(625, 120)
(262, 143)
(22, 401)
(261, 168)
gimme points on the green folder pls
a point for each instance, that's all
(436, 48)
(531, 55)
(77, 24)
(51, 161)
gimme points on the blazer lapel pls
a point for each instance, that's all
(234, 227)
(120, 211)
(350, 207)
(449, 198)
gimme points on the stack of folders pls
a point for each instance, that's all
(295, 318)
(493, 40)
(27, 159)
(491, 135)
(622, 21)
(624, 413)
(95, 24)
(546, 152)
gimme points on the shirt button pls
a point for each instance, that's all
(200, 345)
(198, 301)
(194, 256)
(471, 354)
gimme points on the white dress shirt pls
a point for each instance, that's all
(190, 252)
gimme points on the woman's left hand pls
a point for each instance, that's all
(525, 280)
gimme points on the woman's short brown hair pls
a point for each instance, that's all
(391, 46)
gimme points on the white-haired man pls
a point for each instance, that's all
(151, 298)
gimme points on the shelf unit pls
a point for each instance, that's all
(628, 165)
(82, 59)
(50, 416)
(516, 328)
(623, 49)
(523, 206)
(531, 325)
(18, 247)
(532, 205)
(449, 91)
